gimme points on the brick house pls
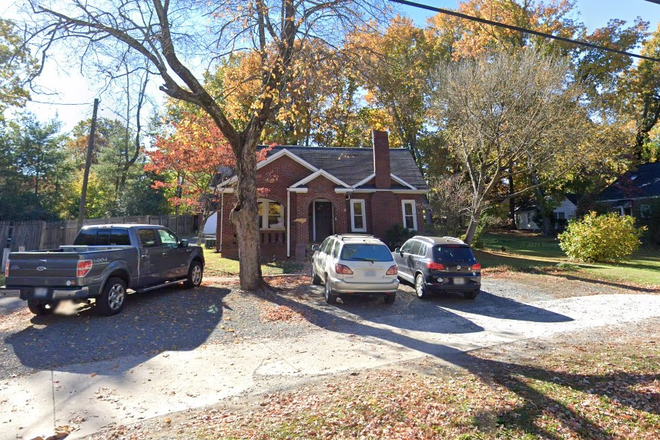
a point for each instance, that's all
(315, 192)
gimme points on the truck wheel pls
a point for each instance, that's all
(112, 298)
(194, 275)
(42, 308)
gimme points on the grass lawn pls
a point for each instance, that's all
(225, 267)
(529, 252)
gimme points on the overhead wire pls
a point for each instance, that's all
(524, 30)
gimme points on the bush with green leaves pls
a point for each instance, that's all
(601, 238)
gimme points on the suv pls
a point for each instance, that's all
(353, 264)
(439, 263)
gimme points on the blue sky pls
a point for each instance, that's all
(72, 88)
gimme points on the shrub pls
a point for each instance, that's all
(397, 235)
(601, 238)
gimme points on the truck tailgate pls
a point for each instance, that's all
(42, 268)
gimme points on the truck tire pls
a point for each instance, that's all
(41, 308)
(112, 297)
(195, 273)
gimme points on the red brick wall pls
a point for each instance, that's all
(381, 159)
(383, 209)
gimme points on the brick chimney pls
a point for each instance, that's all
(381, 159)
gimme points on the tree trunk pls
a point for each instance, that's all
(546, 222)
(244, 217)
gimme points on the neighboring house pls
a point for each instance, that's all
(315, 192)
(634, 192)
(563, 213)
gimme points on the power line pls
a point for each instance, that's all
(58, 103)
(523, 30)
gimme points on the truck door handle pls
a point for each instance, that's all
(164, 254)
(144, 255)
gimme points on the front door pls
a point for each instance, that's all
(323, 220)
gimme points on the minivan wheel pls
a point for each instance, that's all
(420, 290)
(330, 296)
(471, 294)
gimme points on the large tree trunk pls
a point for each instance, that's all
(244, 217)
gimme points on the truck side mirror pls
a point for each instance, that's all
(183, 243)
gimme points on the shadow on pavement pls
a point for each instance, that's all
(166, 319)
(487, 304)
(514, 377)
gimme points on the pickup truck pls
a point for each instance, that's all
(103, 262)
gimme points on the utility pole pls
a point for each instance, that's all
(88, 164)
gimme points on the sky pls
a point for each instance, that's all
(75, 94)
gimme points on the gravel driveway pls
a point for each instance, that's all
(293, 324)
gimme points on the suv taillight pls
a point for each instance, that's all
(343, 269)
(84, 266)
(7, 268)
(476, 266)
(435, 266)
(392, 270)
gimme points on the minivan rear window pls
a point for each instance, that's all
(365, 252)
(462, 254)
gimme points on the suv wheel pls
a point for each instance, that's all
(330, 296)
(420, 289)
(471, 294)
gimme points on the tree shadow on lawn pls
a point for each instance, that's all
(170, 318)
(536, 404)
(573, 277)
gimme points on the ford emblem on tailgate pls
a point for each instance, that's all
(41, 268)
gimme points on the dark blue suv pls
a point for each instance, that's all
(438, 264)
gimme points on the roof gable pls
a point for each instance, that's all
(354, 166)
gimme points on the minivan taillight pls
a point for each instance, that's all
(7, 268)
(84, 266)
(343, 269)
(476, 266)
(435, 266)
(392, 270)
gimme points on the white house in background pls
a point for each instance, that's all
(565, 211)
(211, 224)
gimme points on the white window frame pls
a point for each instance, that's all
(364, 215)
(414, 213)
(265, 208)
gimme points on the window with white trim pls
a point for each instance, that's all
(409, 214)
(358, 217)
(271, 214)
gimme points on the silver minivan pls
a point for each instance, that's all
(351, 264)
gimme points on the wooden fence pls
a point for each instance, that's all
(50, 235)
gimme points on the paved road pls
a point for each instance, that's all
(162, 355)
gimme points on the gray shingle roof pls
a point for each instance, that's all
(353, 165)
(641, 183)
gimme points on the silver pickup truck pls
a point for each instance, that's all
(103, 262)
